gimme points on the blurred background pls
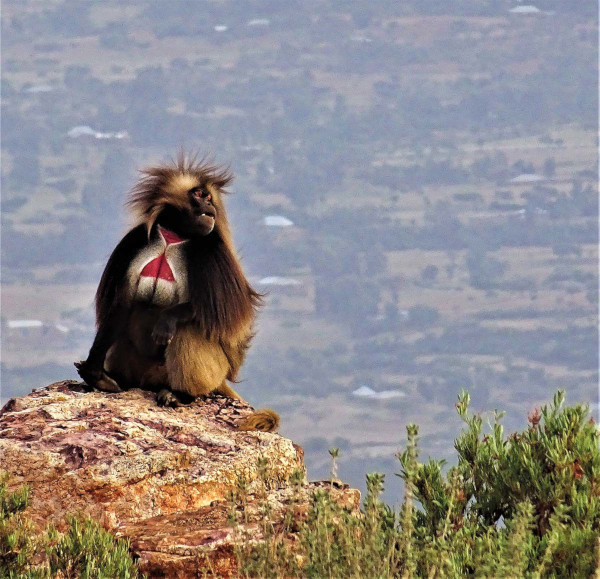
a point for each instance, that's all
(416, 190)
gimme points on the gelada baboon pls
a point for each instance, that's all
(174, 311)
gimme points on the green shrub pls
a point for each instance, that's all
(523, 505)
(17, 548)
(85, 551)
(526, 505)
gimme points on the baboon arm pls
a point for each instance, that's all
(92, 369)
(111, 310)
(169, 319)
(114, 277)
(108, 331)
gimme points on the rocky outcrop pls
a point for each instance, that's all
(158, 476)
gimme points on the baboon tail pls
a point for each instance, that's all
(265, 420)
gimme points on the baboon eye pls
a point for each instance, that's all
(201, 193)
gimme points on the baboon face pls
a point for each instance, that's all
(192, 204)
(203, 213)
(193, 212)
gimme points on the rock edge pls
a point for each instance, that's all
(158, 476)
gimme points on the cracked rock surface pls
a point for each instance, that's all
(158, 476)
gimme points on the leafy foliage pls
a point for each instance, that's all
(85, 551)
(523, 505)
(529, 502)
(526, 505)
(17, 547)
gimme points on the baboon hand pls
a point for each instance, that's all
(164, 330)
(96, 378)
(89, 373)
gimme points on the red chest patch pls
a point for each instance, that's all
(170, 237)
(159, 268)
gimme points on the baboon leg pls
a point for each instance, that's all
(195, 366)
(166, 397)
(123, 364)
(127, 368)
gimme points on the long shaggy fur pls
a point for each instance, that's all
(224, 302)
(207, 348)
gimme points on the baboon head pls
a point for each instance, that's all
(185, 196)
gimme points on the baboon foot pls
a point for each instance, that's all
(265, 420)
(166, 398)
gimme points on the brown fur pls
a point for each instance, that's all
(168, 184)
(210, 342)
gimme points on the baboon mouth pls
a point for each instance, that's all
(211, 215)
